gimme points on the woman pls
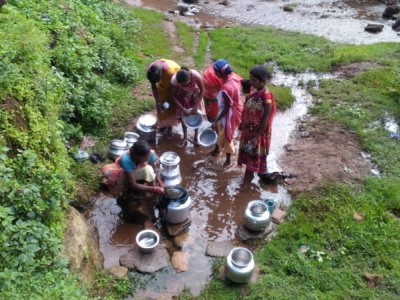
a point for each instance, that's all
(159, 73)
(212, 85)
(230, 109)
(188, 97)
(257, 117)
(143, 184)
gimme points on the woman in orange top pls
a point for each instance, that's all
(159, 73)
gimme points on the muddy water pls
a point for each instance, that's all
(339, 21)
(217, 209)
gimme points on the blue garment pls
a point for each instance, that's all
(221, 66)
(129, 165)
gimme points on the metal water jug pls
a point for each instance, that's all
(257, 216)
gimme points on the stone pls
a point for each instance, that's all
(180, 261)
(278, 216)
(184, 239)
(176, 229)
(219, 249)
(374, 28)
(372, 279)
(145, 262)
(357, 217)
(245, 234)
(118, 271)
(81, 246)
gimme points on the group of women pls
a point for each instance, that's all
(178, 92)
(217, 93)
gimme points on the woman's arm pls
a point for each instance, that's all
(264, 121)
(156, 97)
(142, 187)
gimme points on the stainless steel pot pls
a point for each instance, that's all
(131, 138)
(146, 127)
(257, 216)
(169, 169)
(239, 265)
(117, 148)
(147, 240)
(178, 208)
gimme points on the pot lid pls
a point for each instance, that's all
(119, 144)
(131, 136)
(169, 158)
(147, 120)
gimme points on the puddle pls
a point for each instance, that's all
(217, 209)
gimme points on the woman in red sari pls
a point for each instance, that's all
(230, 108)
(257, 116)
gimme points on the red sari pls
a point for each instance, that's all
(255, 158)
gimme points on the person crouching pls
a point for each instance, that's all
(143, 183)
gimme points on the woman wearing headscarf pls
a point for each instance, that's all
(230, 108)
(159, 73)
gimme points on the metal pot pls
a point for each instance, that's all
(146, 127)
(239, 265)
(117, 148)
(257, 216)
(169, 169)
(178, 208)
(131, 138)
(147, 240)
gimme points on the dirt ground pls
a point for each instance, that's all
(322, 152)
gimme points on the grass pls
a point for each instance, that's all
(341, 250)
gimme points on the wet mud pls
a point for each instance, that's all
(218, 206)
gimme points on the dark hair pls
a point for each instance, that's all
(154, 74)
(183, 75)
(261, 73)
(246, 86)
(140, 148)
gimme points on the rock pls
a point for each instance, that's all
(81, 247)
(224, 2)
(176, 229)
(245, 234)
(278, 216)
(180, 261)
(396, 25)
(219, 249)
(357, 217)
(184, 239)
(372, 279)
(288, 8)
(374, 28)
(390, 11)
(118, 271)
(145, 262)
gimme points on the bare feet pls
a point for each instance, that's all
(215, 152)
(182, 144)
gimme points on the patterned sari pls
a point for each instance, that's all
(255, 158)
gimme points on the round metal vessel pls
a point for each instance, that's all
(178, 208)
(257, 216)
(131, 138)
(239, 265)
(193, 121)
(147, 240)
(146, 127)
(169, 169)
(208, 137)
(117, 148)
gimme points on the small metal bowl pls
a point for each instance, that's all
(147, 240)
(208, 138)
(241, 257)
(193, 121)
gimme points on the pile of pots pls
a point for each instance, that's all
(119, 147)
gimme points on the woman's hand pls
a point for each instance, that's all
(194, 110)
(159, 190)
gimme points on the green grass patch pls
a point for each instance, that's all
(200, 53)
(185, 34)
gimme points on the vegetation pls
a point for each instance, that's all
(66, 70)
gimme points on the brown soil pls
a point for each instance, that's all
(322, 152)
